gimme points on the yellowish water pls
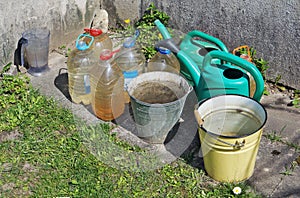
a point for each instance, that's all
(231, 122)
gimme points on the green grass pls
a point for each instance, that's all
(45, 154)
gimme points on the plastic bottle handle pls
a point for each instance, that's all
(85, 47)
(130, 42)
(207, 37)
(242, 63)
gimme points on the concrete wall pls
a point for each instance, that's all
(271, 27)
(65, 19)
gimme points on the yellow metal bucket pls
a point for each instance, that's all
(230, 129)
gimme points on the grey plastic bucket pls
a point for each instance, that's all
(157, 100)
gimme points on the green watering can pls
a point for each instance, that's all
(195, 48)
(211, 78)
(219, 79)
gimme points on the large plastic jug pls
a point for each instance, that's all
(107, 82)
(101, 41)
(131, 61)
(164, 60)
(79, 63)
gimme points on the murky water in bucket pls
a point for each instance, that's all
(158, 92)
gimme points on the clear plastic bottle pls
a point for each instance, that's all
(79, 63)
(131, 61)
(164, 60)
(107, 84)
(101, 41)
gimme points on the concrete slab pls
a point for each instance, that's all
(276, 158)
(273, 159)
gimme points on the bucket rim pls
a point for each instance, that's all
(158, 105)
(236, 136)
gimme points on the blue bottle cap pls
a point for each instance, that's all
(163, 50)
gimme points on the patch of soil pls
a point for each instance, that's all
(279, 88)
(287, 93)
(7, 136)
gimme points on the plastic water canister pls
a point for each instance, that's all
(79, 63)
(107, 82)
(131, 61)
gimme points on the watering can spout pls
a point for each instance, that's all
(191, 66)
(182, 56)
(162, 29)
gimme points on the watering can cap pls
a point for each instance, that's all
(93, 32)
(106, 54)
(163, 50)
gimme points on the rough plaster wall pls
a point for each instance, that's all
(119, 10)
(65, 19)
(272, 27)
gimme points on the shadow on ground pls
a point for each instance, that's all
(182, 141)
(61, 83)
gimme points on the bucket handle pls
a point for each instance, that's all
(237, 145)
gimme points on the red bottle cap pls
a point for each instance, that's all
(106, 54)
(93, 32)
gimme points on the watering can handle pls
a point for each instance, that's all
(246, 65)
(207, 37)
